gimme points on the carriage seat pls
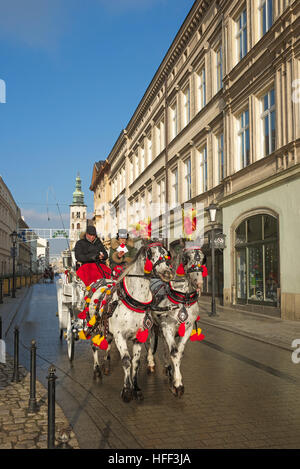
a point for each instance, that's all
(90, 273)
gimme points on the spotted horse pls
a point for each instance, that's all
(175, 313)
(120, 311)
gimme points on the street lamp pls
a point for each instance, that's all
(14, 236)
(212, 211)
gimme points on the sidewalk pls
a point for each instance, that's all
(267, 329)
(19, 428)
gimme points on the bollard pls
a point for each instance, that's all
(33, 407)
(16, 377)
(51, 407)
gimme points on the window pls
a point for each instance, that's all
(175, 186)
(142, 159)
(174, 122)
(203, 178)
(221, 168)
(268, 122)
(136, 165)
(243, 141)
(256, 246)
(149, 148)
(161, 194)
(219, 68)
(77, 214)
(241, 35)
(266, 16)
(78, 226)
(201, 89)
(149, 196)
(160, 137)
(188, 179)
(187, 105)
(130, 171)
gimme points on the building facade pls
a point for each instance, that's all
(220, 122)
(9, 218)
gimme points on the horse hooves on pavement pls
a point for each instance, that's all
(126, 395)
(178, 392)
(97, 375)
(138, 395)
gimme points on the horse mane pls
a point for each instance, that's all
(141, 251)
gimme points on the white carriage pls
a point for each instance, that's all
(70, 298)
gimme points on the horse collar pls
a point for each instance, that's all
(177, 297)
(129, 301)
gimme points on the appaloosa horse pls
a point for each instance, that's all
(126, 307)
(175, 313)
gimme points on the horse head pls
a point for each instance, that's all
(158, 261)
(193, 260)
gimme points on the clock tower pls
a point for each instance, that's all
(78, 221)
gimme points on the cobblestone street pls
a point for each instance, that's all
(239, 392)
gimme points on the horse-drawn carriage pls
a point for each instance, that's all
(98, 308)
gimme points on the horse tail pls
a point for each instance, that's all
(155, 330)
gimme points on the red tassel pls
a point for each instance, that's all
(198, 318)
(104, 344)
(82, 315)
(142, 336)
(148, 266)
(200, 337)
(180, 270)
(204, 271)
(181, 329)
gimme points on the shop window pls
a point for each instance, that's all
(257, 269)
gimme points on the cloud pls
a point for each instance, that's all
(38, 23)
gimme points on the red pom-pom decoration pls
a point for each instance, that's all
(181, 329)
(148, 266)
(103, 302)
(96, 301)
(204, 271)
(142, 336)
(103, 345)
(82, 315)
(198, 318)
(180, 270)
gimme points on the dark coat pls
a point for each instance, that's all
(86, 252)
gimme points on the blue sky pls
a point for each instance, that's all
(75, 71)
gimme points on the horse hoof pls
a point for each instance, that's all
(150, 369)
(97, 374)
(178, 392)
(126, 395)
(138, 395)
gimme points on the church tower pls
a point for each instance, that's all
(78, 219)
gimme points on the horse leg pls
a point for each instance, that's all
(97, 369)
(106, 363)
(136, 359)
(175, 355)
(121, 344)
(150, 358)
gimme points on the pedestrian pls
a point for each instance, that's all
(122, 252)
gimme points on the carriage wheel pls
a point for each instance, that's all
(70, 339)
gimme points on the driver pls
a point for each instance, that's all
(90, 249)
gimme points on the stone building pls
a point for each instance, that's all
(9, 217)
(219, 123)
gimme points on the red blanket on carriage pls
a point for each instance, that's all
(90, 273)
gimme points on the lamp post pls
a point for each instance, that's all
(212, 211)
(14, 236)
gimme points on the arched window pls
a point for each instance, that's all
(72, 226)
(78, 226)
(256, 257)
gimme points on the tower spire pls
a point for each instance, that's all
(78, 195)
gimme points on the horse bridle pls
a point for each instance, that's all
(161, 259)
(197, 267)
